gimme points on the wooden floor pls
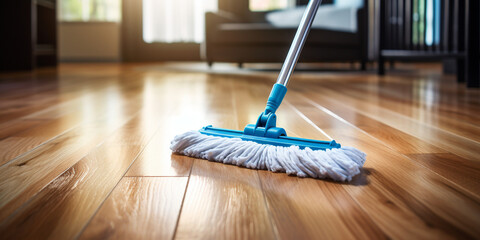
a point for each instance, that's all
(84, 153)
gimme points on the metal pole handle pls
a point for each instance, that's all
(298, 42)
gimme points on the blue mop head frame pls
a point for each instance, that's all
(265, 130)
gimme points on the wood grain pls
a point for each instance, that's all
(312, 208)
(65, 205)
(438, 100)
(31, 138)
(85, 154)
(414, 148)
(13, 127)
(459, 145)
(398, 176)
(223, 202)
(139, 208)
(446, 121)
(157, 159)
(462, 172)
(87, 183)
(24, 176)
(398, 140)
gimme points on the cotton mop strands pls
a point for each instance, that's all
(339, 164)
(265, 146)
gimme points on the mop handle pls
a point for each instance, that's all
(298, 42)
(280, 88)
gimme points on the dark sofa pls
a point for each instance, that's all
(231, 38)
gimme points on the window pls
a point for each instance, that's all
(90, 10)
(267, 5)
(173, 21)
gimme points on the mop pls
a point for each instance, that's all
(267, 147)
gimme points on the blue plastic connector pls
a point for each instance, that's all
(266, 125)
(275, 99)
(265, 131)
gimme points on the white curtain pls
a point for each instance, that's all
(175, 20)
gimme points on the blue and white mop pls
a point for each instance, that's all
(265, 146)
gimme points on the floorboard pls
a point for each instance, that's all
(139, 208)
(223, 202)
(24, 176)
(62, 209)
(457, 144)
(84, 153)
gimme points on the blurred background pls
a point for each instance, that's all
(364, 33)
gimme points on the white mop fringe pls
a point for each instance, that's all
(339, 164)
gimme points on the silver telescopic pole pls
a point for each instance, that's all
(298, 42)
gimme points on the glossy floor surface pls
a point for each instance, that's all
(84, 153)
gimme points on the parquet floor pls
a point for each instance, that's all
(84, 153)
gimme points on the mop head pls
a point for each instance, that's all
(339, 164)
